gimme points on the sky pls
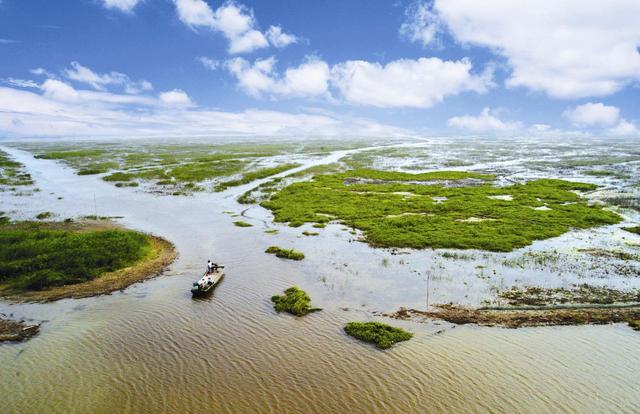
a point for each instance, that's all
(83, 68)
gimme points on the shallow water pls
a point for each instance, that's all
(152, 348)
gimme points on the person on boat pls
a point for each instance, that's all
(214, 266)
(209, 266)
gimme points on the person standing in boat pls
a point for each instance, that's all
(210, 267)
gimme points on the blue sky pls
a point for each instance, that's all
(444, 67)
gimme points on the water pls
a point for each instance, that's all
(152, 348)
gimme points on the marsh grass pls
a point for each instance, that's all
(310, 233)
(294, 301)
(635, 229)
(285, 253)
(44, 215)
(380, 334)
(395, 209)
(12, 173)
(255, 175)
(34, 257)
(582, 294)
(241, 223)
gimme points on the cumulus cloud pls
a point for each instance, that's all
(592, 114)
(419, 83)
(235, 21)
(260, 78)
(176, 97)
(83, 74)
(567, 49)
(125, 6)
(280, 39)
(422, 24)
(58, 111)
(487, 121)
(624, 128)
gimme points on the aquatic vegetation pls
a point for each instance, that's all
(271, 231)
(629, 201)
(285, 253)
(320, 225)
(395, 209)
(16, 331)
(12, 173)
(635, 229)
(44, 215)
(241, 223)
(382, 335)
(457, 256)
(255, 175)
(34, 257)
(537, 296)
(310, 233)
(635, 324)
(294, 301)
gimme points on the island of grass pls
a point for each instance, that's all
(294, 301)
(380, 334)
(635, 229)
(16, 331)
(444, 209)
(285, 253)
(12, 173)
(241, 223)
(54, 260)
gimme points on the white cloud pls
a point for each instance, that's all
(125, 6)
(42, 72)
(20, 83)
(260, 79)
(419, 83)
(235, 21)
(422, 24)
(98, 81)
(280, 39)
(487, 121)
(25, 113)
(592, 114)
(176, 97)
(624, 128)
(567, 49)
(59, 91)
(211, 64)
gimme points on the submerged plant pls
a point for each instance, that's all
(285, 253)
(294, 301)
(383, 335)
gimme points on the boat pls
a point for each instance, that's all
(207, 282)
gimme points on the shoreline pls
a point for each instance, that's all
(162, 254)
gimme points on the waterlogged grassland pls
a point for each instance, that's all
(12, 173)
(380, 334)
(444, 209)
(182, 168)
(294, 301)
(34, 257)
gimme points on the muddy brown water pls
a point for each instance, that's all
(152, 348)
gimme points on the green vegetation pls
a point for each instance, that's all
(310, 233)
(294, 301)
(34, 257)
(241, 223)
(383, 335)
(635, 229)
(271, 231)
(44, 215)
(635, 324)
(600, 173)
(444, 209)
(285, 253)
(255, 175)
(457, 256)
(12, 173)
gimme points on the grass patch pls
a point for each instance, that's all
(582, 294)
(241, 223)
(294, 301)
(285, 253)
(271, 231)
(255, 175)
(635, 324)
(395, 209)
(34, 257)
(383, 335)
(635, 229)
(44, 215)
(310, 233)
(12, 173)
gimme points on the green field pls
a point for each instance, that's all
(444, 209)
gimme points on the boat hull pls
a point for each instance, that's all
(207, 287)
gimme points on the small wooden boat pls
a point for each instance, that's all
(207, 282)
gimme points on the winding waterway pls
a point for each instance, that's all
(152, 348)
